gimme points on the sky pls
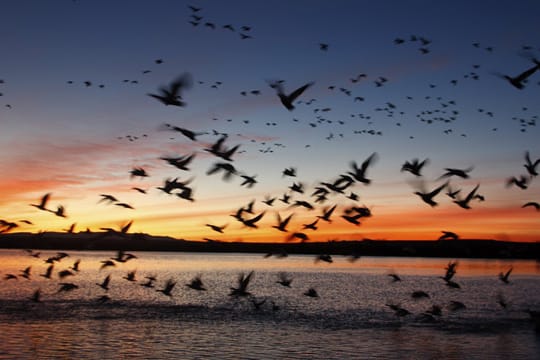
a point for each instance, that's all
(443, 97)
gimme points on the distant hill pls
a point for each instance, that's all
(466, 248)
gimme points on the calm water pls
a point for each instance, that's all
(349, 319)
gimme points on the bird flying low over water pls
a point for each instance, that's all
(171, 95)
(169, 286)
(243, 282)
(504, 276)
(196, 284)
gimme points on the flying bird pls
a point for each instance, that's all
(171, 95)
(287, 100)
(504, 276)
(243, 282)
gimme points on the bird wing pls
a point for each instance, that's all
(296, 93)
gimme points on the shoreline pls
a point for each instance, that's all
(464, 248)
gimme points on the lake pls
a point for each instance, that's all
(350, 319)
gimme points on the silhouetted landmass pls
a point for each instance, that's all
(471, 248)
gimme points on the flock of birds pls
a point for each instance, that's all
(319, 204)
(56, 268)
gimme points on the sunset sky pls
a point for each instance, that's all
(444, 100)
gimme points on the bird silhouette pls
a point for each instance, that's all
(252, 223)
(519, 81)
(359, 173)
(428, 197)
(311, 292)
(36, 296)
(196, 284)
(130, 276)
(105, 283)
(464, 203)
(448, 235)
(67, 287)
(282, 223)
(531, 165)
(415, 166)
(171, 95)
(43, 203)
(287, 100)
(504, 276)
(243, 282)
(327, 213)
(48, 272)
(462, 173)
(532, 204)
(216, 228)
(169, 286)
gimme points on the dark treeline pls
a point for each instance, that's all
(471, 248)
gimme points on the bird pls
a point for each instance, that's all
(359, 173)
(130, 276)
(36, 296)
(43, 203)
(186, 132)
(504, 276)
(228, 170)
(462, 173)
(179, 162)
(311, 292)
(62, 274)
(287, 100)
(415, 166)
(138, 172)
(243, 282)
(282, 223)
(196, 284)
(217, 228)
(519, 81)
(66, 287)
(530, 165)
(105, 283)
(450, 270)
(327, 213)
(76, 264)
(26, 273)
(171, 95)
(522, 182)
(298, 235)
(448, 235)
(311, 226)
(464, 203)
(252, 222)
(324, 257)
(532, 204)
(395, 277)
(419, 294)
(48, 272)
(60, 211)
(106, 263)
(108, 198)
(169, 286)
(428, 197)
